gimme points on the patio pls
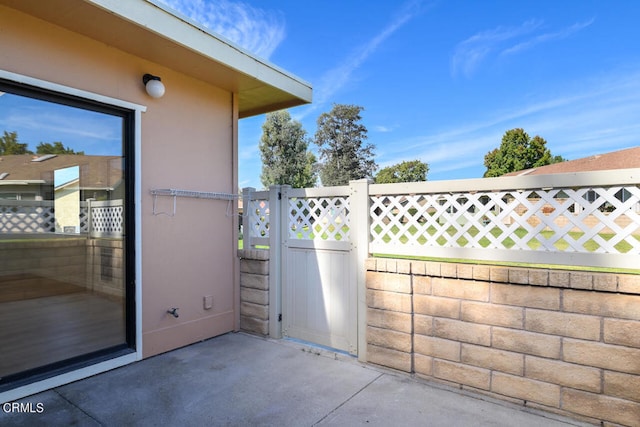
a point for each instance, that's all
(242, 380)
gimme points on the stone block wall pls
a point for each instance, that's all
(94, 264)
(105, 266)
(62, 259)
(561, 341)
(254, 291)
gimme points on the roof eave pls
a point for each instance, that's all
(151, 31)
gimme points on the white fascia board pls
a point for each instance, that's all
(160, 20)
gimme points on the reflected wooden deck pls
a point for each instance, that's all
(26, 286)
(44, 321)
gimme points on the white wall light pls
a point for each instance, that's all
(153, 85)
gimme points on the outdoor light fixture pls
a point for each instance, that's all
(154, 85)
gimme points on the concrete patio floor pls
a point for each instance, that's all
(242, 380)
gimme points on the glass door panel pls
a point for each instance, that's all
(63, 249)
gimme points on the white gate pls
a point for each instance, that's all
(318, 243)
(319, 282)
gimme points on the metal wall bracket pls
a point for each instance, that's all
(171, 192)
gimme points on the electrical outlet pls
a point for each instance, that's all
(208, 302)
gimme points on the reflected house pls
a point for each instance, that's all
(66, 183)
(48, 186)
(31, 177)
(89, 272)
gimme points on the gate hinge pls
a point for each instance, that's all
(280, 317)
(279, 195)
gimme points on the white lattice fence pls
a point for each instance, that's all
(39, 217)
(561, 219)
(256, 217)
(324, 218)
(107, 218)
(17, 216)
(572, 219)
(309, 215)
(594, 219)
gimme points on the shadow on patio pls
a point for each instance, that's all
(242, 380)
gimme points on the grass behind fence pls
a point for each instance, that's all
(561, 244)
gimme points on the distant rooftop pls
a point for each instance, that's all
(623, 159)
(97, 172)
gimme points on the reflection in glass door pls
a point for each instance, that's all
(65, 296)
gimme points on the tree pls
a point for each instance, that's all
(407, 171)
(9, 145)
(284, 153)
(55, 148)
(340, 137)
(517, 152)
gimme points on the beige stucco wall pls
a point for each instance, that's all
(187, 143)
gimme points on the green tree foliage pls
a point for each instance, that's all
(9, 145)
(55, 148)
(284, 151)
(340, 137)
(407, 171)
(517, 152)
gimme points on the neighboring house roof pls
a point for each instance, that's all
(96, 172)
(151, 31)
(623, 159)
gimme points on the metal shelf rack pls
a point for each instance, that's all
(172, 192)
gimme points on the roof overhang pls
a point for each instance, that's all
(23, 182)
(150, 31)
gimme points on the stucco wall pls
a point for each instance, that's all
(187, 143)
(561, 341)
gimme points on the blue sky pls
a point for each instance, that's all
(36, 121)
(441, 81)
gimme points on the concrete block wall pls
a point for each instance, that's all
(105, 266)
(562, 341)
(254, 291)
(61, 259)
(94, 264)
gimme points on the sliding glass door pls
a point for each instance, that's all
(66, 260)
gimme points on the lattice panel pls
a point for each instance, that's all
(597, 219)
(258, 218)
(107, 220)
(325, 218)
(27, 219)
(84, 219)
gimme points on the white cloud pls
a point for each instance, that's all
(577, 123)
(90, 126)
(256, 30)
(546, 37)
(339, 76)
(382, 129)
(470, 53)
